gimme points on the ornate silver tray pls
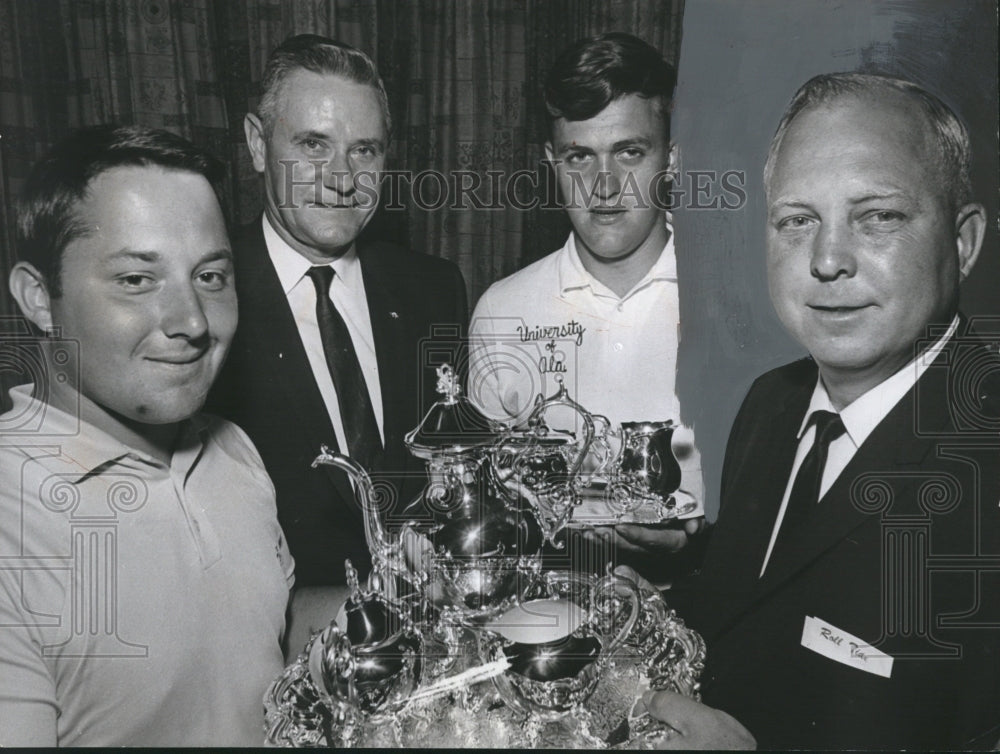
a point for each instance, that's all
(660, 653)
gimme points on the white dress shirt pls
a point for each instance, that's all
(347, 292)
(860, 419)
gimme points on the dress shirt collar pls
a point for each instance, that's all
(864, 414)
(292, 266)
(87, 449)
(573, 275)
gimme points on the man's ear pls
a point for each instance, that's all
(674, 161)
(254, 131)
(970, 229)
(29, 290)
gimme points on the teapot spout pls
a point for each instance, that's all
(365, 494)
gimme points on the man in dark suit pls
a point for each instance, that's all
(851, 593)
(312, 296)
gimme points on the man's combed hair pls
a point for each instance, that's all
(950, 135)
(321, 55)
(47, 220)
(594, 72)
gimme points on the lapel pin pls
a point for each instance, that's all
(394, 315)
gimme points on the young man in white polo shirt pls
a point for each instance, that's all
(601, 313)
(143, 576)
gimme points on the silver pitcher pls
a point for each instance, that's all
(643, 472)
(366, 669)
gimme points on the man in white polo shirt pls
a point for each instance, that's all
(600, 314)
(143, 575)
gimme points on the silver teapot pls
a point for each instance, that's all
(546, 464)
(472, 540)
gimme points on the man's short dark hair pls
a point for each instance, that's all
(948, 134)
(321, 55)
(594, 72)
(46, 208)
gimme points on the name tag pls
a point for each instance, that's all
(838, 645)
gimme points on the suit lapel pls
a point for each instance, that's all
(264, 307)
(745, 529)
(387, 314)
(893, 446)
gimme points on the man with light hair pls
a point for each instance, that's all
(849, 597)
(334, 330)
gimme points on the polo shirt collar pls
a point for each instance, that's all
(574, 276)
(86, 449)
(291, 266)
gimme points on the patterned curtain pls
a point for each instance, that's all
(463, 78)
(67, 64)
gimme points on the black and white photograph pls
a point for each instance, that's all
(594, 374)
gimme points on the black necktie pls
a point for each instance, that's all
(356, 409)
(805, 490)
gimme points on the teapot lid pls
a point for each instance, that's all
(453, 424)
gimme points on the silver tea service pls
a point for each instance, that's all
(456, 591)
(471, 542)
(545, 465)
(459, 708)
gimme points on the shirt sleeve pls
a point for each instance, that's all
(285, 558)
(255, 465)
(28, 707)
(486, 369)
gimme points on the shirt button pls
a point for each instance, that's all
(618, 346)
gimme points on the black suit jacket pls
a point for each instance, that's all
(903, 552)
(267, 387)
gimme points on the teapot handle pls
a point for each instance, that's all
(561, 398)
(608, 591)
(602, 449)
(330, 659)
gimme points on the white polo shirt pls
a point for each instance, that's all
(141, 603)
(617, 355)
